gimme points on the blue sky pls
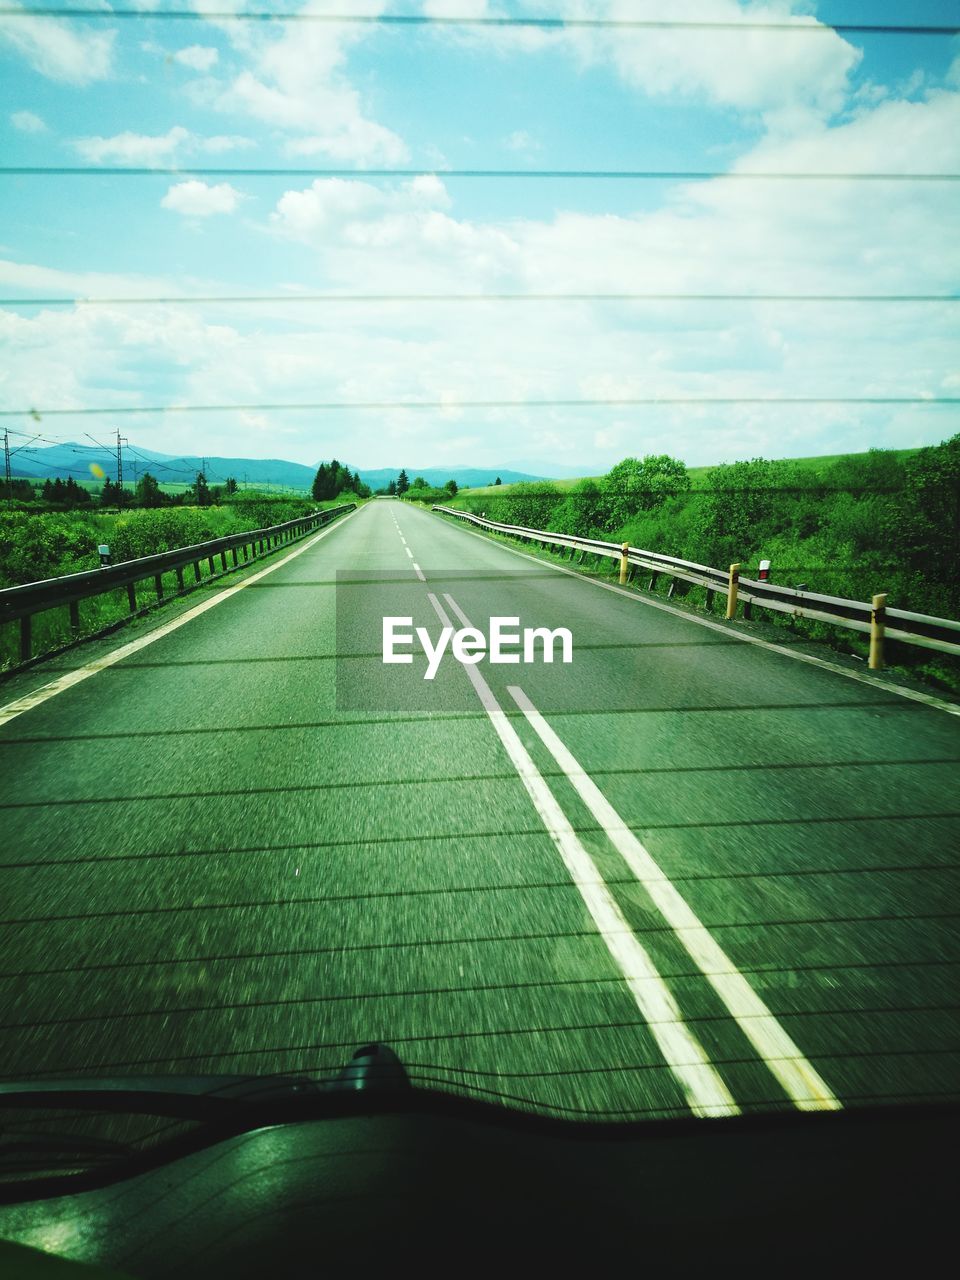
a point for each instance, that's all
(149, 92)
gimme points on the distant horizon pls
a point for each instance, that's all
(138, 465)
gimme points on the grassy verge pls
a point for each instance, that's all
(908, 663)
(64, 543)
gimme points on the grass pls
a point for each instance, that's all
(176, 487)
(815, 465)
(51, 629)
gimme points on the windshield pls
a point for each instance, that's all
(478, 556)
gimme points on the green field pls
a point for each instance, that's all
(819, 465)
(178, 487)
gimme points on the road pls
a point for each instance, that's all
(683, 873)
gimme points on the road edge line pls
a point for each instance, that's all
(30, 700)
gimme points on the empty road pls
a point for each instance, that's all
(681, 874)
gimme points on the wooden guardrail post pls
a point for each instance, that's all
(878, 620)
(624, 563)
(732, 587)
(75, 617)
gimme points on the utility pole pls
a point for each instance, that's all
(121, 441)
(6, 462)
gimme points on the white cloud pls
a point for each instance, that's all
(196, 199)
(156, 149)
(133, 148)
(522, 142)
(721, 236)
(58, 50)
(296, 82)
(197, 56)
(750, 70)
(786, 79)
(27, 122)
(220, 143)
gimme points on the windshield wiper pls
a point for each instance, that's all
(373, 1068)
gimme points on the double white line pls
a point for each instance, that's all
(705, 1091)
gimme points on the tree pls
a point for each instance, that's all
(22, 490)
(498, 481)
(201, 490)
(108, 494)
(740, 510)
(148, 491)
(452, 488)
(321, 483)
(633, 486)
(231, 486)
(392, 489)
(403, 484)
(582, 510)
(419, 483)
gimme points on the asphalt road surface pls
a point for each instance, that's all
(682, 873)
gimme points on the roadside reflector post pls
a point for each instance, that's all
(878, 620)
(104, 553)
(763, 573)
(732, 587)
(624, 563)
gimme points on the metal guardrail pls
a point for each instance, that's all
(20, 604)
(873, 618)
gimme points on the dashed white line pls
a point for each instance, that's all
(705, 1091)
(409, 552)
(797, 1076)
(31, 700)
(419, 571)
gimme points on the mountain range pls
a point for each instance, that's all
(76, 459)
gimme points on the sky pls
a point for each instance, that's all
(150, 93)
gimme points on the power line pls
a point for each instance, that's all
(406, 298)
(542, 23)
(595, 175)
(587, 402)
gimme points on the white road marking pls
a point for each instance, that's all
(705, 1091)
(419, 571)
(915, 695)
(41, 695)
(798, 1077)
(409, 552)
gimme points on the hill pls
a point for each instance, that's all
(74, 459)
